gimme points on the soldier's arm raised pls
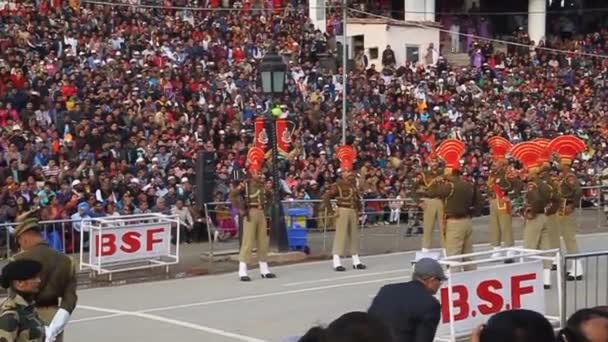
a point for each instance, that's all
(9, 326)
(235, 197)
(328, 195)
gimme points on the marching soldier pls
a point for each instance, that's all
(461, 201)
(501, 183)
(569, 192)
(553, 205)
(18, 318)
(432, 206)
(349, 206)
(538, 193)
(251, 198)
(56, 298)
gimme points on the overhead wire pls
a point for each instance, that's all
(502, 41)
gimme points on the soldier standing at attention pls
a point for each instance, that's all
(349, 206)
(56, 298)
(461, 201)
(432, 206)
(19, 321)
(538, 196)
(567, 147)
(501, 183)
(252, 210)
(553, 206)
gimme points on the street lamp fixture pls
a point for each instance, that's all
(273, 71)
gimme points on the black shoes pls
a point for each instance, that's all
(340, 269)
(553, 267)
(245, 278)
(547, 287)
(573, 278)
(269, 276)
(359, 267)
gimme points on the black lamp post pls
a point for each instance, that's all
(273, 71)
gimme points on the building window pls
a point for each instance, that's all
(412, 53)
(373, 53)
(320, 4)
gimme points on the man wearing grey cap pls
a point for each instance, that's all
(410, 309)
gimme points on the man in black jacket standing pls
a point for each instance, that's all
(410, 309)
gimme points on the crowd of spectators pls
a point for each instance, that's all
(102, 108)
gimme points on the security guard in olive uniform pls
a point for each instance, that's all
(501, 184)
(538, 196)
(349, 206)
(19, 321)
(432, 206)
(252, 208)
(461, 201)
(569, 193)
(57, 297)
(553, 206)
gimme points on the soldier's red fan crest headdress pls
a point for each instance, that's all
(255, 158)
(346, 155)
(545, 156)
(567, 147)
(450, 151)
(528, 153)
(499, 147)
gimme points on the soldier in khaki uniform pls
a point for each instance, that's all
(349, 206)
(461, 201)
(56, 298)
(501, 183)
(569, 192)
(19, 321)
(432, 207)
(251, 198)
(552, 207)
(538, 195)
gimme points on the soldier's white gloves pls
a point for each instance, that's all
(60, 320)
(48, 335)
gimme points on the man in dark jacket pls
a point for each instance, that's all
(410, 309)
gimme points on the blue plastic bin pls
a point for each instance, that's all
(297, 231)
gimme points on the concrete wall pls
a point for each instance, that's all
(380, 35)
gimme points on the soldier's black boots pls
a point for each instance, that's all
(340, 269)
(245, 278)
(269, 276)
(359, 267)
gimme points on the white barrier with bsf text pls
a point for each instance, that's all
(477, 295)
(126, 243)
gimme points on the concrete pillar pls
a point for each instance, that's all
(430, 10)
(414, 10)
(537, 20)
(316, 13)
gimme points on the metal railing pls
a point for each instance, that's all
(591, 288)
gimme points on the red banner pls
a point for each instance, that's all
(261, 135)
(283, 136)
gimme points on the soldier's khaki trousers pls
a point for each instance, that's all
(567, 225)
(459, 238)
(254, 230)
(501, 226)
(46, 314)
(553, 227)
(536, 235)
(347, 224)
(432, 214)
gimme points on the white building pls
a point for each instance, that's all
(409, 40)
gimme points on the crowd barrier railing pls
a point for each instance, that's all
(591, 288)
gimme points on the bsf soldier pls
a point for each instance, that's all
(501, 183)
(56, 298)
(569, 191)
(461, 201)
(19, 321)
(538, 195)
(251, 198)
(553, 205)
(349, 206)
(432, 206)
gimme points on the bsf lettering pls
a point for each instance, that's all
(491, 300)
(130, 242)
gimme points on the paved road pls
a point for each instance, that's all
(218, 308)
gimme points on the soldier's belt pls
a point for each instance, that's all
(343, 207)
(456, 217)
(255, 206)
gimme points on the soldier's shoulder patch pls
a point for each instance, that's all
(9, 320)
